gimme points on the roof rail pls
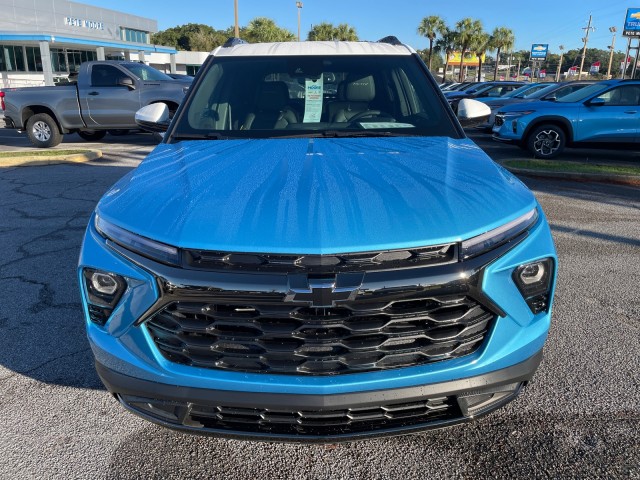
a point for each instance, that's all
(233, 41)
(391, 39)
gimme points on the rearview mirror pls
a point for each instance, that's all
(153, 118)
(471, 112)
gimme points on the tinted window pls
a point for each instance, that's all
(314, 95)
(627, 95)
(145, 72)
(105, 76)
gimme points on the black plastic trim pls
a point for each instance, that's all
(120, 384)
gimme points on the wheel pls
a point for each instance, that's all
(42, 131)
(546, 141)
(92, 135)
(118, 132)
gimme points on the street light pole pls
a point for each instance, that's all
(299, 5)
(584, 49)
(559, 72)
(613, 44)
(236, 31)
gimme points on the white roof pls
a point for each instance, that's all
(313, 48)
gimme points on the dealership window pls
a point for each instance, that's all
(131, 35)
(66, 61)
(12, 58)
(193, 69)
(34, 60)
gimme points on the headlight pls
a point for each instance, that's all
(493, 238)
(160, 252)
(516, 114)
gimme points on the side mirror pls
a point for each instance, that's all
(552, 98)
(126, 82)
(471, 112)
(596, 102)
(153, 118)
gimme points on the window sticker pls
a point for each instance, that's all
(313, 90)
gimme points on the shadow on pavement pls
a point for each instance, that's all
(44, 212)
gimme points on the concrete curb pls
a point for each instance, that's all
(630, 180)
(26, 160)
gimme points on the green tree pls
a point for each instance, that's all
(502, 38)
(262, 29)
(481, 43)
(326, 32)
(446, 45)
(430, 27)
(190, 37)
(467, 29)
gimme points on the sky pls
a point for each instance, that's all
(556, 22)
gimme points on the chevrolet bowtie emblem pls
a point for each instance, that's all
(323, 292)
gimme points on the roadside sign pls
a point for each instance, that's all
(595, 67)
(539, 51)
(632, 23)
(542, 73)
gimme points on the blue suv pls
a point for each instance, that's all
(320, 267)
(603, 114)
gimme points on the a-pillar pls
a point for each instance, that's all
(47, 69)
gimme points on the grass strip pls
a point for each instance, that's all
(573, 167)
(42, 153)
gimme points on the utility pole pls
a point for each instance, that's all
(236, 30)
(559, 72)
(299, 5)
(613, 44)
(588, 28)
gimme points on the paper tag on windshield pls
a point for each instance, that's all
(313, 91)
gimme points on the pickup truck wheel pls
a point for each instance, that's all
(546, 141)
(92, 135)
(42, 131)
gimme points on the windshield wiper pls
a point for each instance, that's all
(366, 133)
(200, 136)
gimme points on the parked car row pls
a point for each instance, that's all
(547, 118)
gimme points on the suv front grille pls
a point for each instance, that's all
(289, 339)
(317, 423)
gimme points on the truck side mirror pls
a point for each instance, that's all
(153, 118)
(126, 82)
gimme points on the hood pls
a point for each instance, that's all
(315, 195)
(538, 105)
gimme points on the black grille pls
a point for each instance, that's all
(319, 423)
(290, 339)
(387, 260)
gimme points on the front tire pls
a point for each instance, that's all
(546, 141)
(43, 131)
(92, 135)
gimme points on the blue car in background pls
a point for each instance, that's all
(317, 269)
(600, 114)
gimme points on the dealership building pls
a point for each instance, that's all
(42, 41)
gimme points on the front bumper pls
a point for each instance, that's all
(319, 418)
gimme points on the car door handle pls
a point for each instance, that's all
(631, 112)
(93, 93)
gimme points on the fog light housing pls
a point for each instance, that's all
(534, 282)
(103, 290)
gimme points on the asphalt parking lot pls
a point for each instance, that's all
(578, 419)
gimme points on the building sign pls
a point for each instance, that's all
(470, 59)
(539, 51)
(632, 23)
(82, 23)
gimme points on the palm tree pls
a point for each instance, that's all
(262, 29)
(321, 31)
(429, 27)
(481, 43)
(467, 29)
(502, 38)
(561, 48)
(446, 44)
(345, 33)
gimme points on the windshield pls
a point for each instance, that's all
(144, 72)
(341, 95)
(532, 90)
(583, 93)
